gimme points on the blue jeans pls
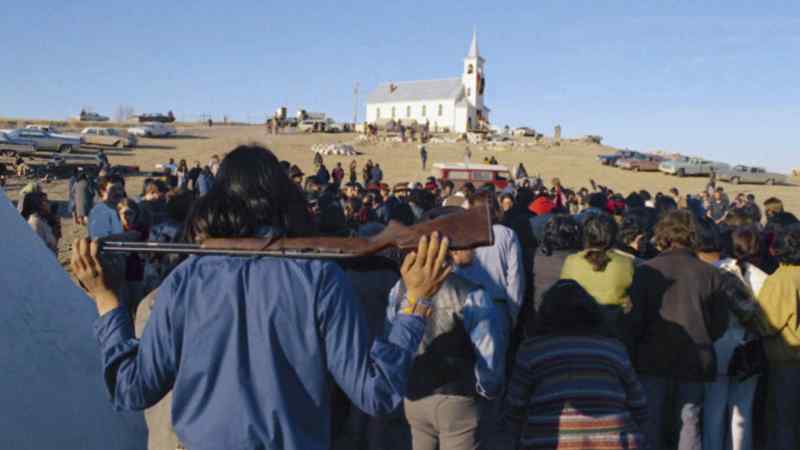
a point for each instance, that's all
(728, 414)
(783, 394)
(688, 398)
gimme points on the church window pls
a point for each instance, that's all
(441, 108)
(424, 110)
(408, 111)
(377, 113)
(393, 112)
(470, 69)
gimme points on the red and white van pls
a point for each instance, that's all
(477, 174)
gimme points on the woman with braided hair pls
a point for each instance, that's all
(606, 274)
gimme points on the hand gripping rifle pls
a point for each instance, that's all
(468, 229)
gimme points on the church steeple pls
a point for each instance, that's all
(473, 48)
(473, 77)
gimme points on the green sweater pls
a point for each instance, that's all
(609, 287)
(778, 299)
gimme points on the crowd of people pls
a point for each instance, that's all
(596, 320)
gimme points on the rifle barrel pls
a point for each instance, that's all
(195, 249)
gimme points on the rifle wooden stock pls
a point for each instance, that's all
(468, 229)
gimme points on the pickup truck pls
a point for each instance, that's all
(692, 166)
(755, 175)
(12, 147)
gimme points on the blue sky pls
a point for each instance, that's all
(714, 78)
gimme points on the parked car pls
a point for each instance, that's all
(477, 174)
(649, 163)
(755, 175)
(44, 140)
(692, 166)
(311, 126)
(524, 132)
(87, 116)
(610, 160)
(108, 137)
(154, 129)
(157, 117)
(47, 128)
(13, 147)
(636, 155)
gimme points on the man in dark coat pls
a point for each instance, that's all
(679, 310)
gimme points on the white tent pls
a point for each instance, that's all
(52, 394)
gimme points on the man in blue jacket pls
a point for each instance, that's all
(248, 345)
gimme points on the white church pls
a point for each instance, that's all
(452, 104)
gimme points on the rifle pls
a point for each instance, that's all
(468, 229)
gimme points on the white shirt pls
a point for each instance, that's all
(104, 221)
(736, 334)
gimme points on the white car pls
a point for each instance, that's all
(108, 137)
(153, 129)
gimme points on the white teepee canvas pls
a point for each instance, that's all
(52, 394)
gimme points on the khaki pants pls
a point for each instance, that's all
(444, 422)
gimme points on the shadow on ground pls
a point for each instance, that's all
(155, 147)
(187, 136)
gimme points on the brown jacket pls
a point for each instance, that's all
(679, 310)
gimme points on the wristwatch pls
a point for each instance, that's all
(421, 307)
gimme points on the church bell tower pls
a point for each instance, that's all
(474, 80)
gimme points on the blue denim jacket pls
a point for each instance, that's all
(488, 329)
(249, 347)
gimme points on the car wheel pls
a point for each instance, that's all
(681, 173)
(735, 180)
(120, 144)
(65, 149)
(770, 182)
(635, 168)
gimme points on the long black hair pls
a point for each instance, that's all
(709, 237)
(567, 308)
(599, 235)
(561, 232)
(32, 203)
(251, 193)
(787, 245)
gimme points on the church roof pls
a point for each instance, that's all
(409, 91)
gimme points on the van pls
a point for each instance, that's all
(477, 174)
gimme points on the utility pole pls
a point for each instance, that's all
(355, 103)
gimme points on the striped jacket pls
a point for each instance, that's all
(575, 392)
